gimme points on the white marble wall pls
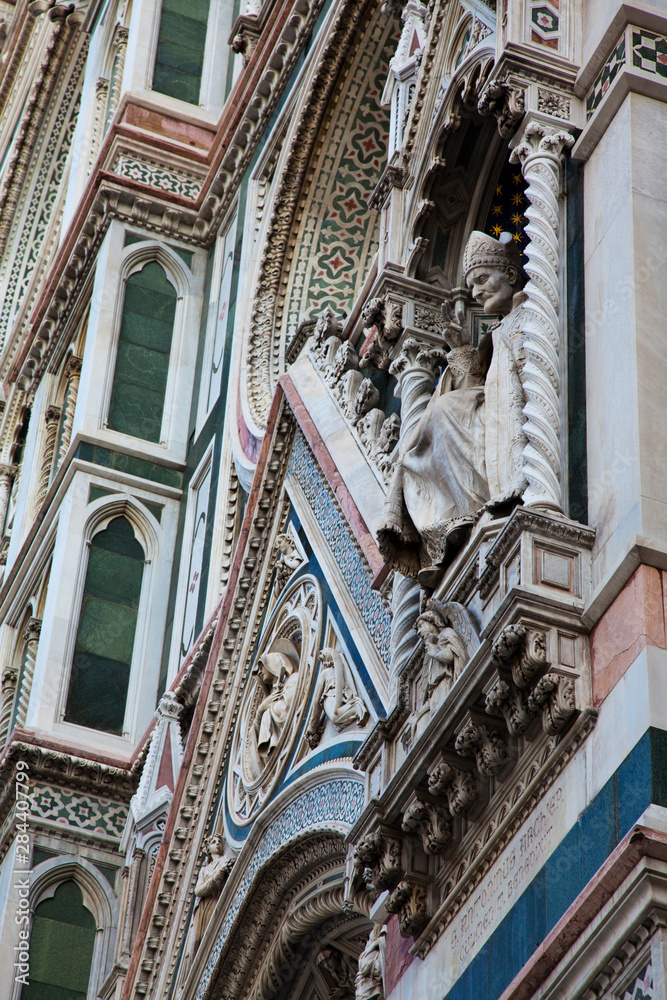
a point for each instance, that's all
(625, 192)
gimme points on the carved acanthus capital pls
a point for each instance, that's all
(7, 471)
(415, 358)
(9, 678)
(73, 365)
(52, 415)
(169, 706)
(32, 630)
(507, 102)
(540, 139)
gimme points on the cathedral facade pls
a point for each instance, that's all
(333, 627)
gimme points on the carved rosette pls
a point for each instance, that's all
(275, 699)
(540, 153)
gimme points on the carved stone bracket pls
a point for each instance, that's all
(540, 152)
(507, 102)
(522, 650)
(486, 745)
(377, 862)
(408, 900)
(460, 787)
(430, 820)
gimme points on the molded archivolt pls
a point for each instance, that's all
(322, 237)
(289, 916)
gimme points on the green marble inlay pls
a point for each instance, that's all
(127, 463)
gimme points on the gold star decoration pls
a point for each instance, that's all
(516, 219)
(499, 189)
(517, 237)
(497, 209)
(496, 230)
(517, 178)
(517, 198)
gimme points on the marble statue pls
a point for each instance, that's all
(278, 676)
(289, 561)
(335, 697)
(451, 639)
(465, 453)
(212, 877)
(369, 984)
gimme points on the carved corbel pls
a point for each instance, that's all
(408, 900)
(507, 102)
(555, 696)
(326, 338)
(506, 700)
(383, 325)
(345, 360)
(381, 856)
(523, 650)
(459, 787)
(430, 821)
(486, 745)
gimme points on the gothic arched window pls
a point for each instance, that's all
(107, 624)
(179, 60)
(62, 940)
(142, 359)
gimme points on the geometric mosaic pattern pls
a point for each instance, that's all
(77, 810)
(339, 801)
(642, 987)
(649, 52)
(605, 77)
(646, 49)
(157, 176)
(545, 23)
(338, 234)
(371, 607)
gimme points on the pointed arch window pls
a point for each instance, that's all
(62, 940)
(100, 673)
(142, 360)
(179, 61)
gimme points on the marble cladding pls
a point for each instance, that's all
(343, 548)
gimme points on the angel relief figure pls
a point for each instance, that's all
(335, 698)
(450, 641)
(278, 679)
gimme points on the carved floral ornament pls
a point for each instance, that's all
(275, 699)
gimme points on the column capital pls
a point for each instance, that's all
(539, 137)
(32, 630)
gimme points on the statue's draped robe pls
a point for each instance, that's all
(465, 453)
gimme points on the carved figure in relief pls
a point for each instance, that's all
(335, 698)
(289, 561)
(278, 673)
(369, 984)
(212, 877)
(465, 453)
(450, 640)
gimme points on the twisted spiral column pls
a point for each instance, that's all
(31, 636)
(73, 373)
(416, 369)
(52, 420)
(7, 473)
(540, 154)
